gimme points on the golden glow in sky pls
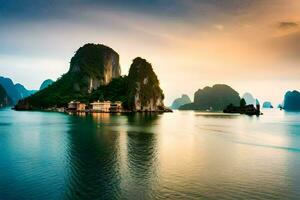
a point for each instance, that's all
(252, 46)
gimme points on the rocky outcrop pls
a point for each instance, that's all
(267, 104)
(45, 84)
(94, 74)
(5, 100)
(10, 88)
(15, 91)
(92, 65)
(144, 93)
(292, 101)
(250, 100)
(23, 92)
(96, 64)
(177, 103)
(214, 98)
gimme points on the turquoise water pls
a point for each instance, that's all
(180, 155)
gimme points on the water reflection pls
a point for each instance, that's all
(216, 115)
(93, 165)
(180, 155)
(102, 158)
(142, 156)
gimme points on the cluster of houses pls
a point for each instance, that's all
(97, 106)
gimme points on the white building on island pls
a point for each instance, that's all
(101, 106)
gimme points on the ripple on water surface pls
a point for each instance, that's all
(180, 155)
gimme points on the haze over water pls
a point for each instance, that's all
(181, 155)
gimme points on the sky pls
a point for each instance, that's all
(251, 45)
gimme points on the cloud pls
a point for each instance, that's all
(288, 25)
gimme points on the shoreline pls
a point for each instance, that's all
(92, 111)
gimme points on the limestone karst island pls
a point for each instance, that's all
(94, 84)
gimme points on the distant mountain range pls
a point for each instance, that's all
(177, 103)
(10, 89)
(17, 91)
(219, 96)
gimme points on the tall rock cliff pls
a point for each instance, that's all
(94, 74)
(92, 65)
(144, 92)
(96, 65)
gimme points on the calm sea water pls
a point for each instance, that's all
(180, 155)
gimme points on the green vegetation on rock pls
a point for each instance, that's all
(46, 83)
(92, 66)
(95, 75)
(116, 90)
(144, 92)
(58, 94)
(243, 102)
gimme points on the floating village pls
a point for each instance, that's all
(95, 107)
(98, 107)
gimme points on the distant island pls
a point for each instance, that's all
(223, 98)
(214, 98)
(267, 104)
(94, 83)
(177, 103)
(250, 100)
(292, 101)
